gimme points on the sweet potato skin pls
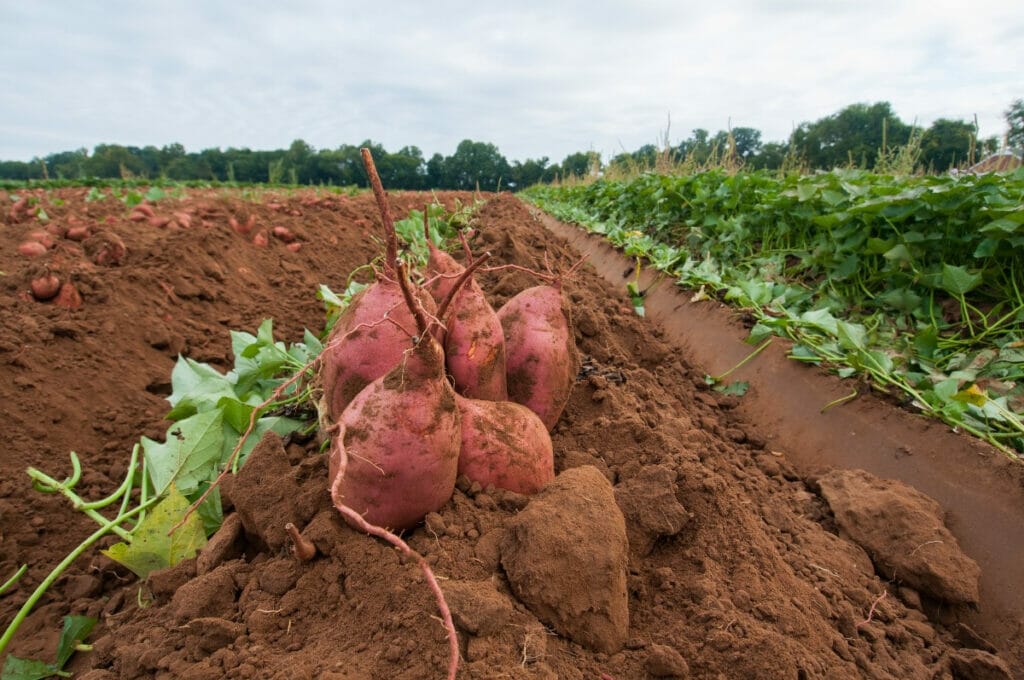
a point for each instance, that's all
(367, 341)
(475, 346)
(442, 272)
(540, 351)
(504, 445)
(395, 457)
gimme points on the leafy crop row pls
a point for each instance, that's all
(915, 282)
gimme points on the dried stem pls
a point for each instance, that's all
(414, 306)
(302, 547)
(465, 246)
(390, 235)
(464, 277)
(442, 604)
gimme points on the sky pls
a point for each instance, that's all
(534, 77)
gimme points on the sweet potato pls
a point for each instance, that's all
(540, 351)
(79, 232)
(474, 345)
(104, 248)
(368, 340)
(283, 234)
(45, 287)
(145, 209)
(42, 236)
(442, 272)
(395, 456)
(505, 445)
(32, 249)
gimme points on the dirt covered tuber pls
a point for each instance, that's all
(395, 455)
(45, 286)
(540, 351)
(368, 340)
(504, 445)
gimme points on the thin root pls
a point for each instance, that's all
(403, 547)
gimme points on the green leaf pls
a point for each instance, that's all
(236, 412)
(821, 319)
(196, 387)
(926, 342)
(946, 389)
(190, 454)
(900, 299)
(76, 629)
(851, 335)
(958, 281)
(738, 388)
(26, 669)
(1002, 227)
(898, 253)
(154, 194)
(151, 547)
(277, 424)
(987, 248)
(329, 297)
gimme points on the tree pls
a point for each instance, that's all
(1015, 122)
(696, 149)
(528, 173)
(579, 163)
(67, 164)
(476, 164)
(769, 157)
(946, 144)
(112, 161)
(404, 169)
(853, 136)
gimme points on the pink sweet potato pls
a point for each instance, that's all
(395, 456)
(540, 351)
(504, 445)
(368, 340)
(474, 346)
(442, 272)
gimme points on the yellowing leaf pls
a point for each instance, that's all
(972, 395)
(151, 548)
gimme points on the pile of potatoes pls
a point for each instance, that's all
(425, 383)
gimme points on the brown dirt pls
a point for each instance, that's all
(744, 575)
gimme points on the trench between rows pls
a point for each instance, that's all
(980, 490)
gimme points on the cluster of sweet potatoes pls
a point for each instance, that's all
(424, 382)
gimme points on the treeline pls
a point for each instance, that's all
(860, 135)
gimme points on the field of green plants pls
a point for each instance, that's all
(913, 283)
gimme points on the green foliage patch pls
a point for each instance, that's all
(915, 282)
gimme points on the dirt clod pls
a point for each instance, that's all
(565, 556)
(902, 530)
(650, 507)
(665, 662)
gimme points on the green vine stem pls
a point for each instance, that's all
(107, 527)
(47, 484)
(14, 579)
(760, 348)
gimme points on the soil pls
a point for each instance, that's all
(677, 541)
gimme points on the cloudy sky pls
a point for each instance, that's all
(535, 77)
